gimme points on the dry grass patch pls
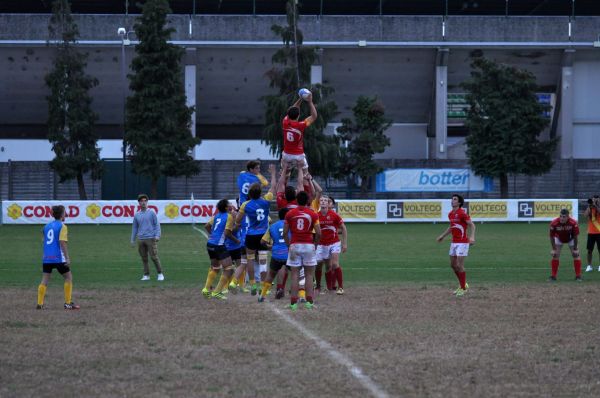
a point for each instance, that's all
(412, 340)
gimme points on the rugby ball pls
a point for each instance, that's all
(304, 93)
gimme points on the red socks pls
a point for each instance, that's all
(577, 266)
(462, 279)
(339, 277)
(318, 273)
(554, 264)
(329, 279)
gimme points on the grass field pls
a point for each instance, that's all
(398, 331)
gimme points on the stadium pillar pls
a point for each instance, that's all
(441, 104)
(190, 83)
(566, 105)
(316, 70)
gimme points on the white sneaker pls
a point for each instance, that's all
(599, 268)
(589, 268)
(145, 278)
(160, 277)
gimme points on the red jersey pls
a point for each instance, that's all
(301, 221)
(564, 232)
(458, 225)
(293, 136)
(282, 202)
(330, 223)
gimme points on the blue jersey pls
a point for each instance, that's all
(240, 234)
(257, 211)
(280, 249)
(54, 232)
(220, 222)
(244, 180)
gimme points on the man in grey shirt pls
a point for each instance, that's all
(146, 229)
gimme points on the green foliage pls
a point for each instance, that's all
(70, 116)
(504, 122)
(365, 136)
(158, 120)
(294, 62)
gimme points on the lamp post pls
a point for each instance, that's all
(124, 34)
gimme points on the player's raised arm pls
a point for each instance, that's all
(313, 111)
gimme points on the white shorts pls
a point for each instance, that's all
(302, 254)
(557, 242)
(286, 157)
(325, 251)
(459, 249)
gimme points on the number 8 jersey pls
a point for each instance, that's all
(257, 211)
(301, 221)
(54, 232)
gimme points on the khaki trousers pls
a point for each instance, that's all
(149, 246)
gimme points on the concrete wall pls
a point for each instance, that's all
(324, 28)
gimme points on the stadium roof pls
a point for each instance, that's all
(326, 7)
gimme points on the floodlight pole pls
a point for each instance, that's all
(122, 32)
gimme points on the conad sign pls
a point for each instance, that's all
(199, 211)
(107, 212)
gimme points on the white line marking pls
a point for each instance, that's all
(201, 231)
(334, 354)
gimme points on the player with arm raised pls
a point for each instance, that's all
(293, 132)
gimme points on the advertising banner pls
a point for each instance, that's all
(107, 212)
(199, 211)
(431, 180)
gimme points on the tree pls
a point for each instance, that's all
(365, 137)
(322, 151)
(505, 121)
(70, 115)
(158, 121)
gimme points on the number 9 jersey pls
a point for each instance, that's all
(54, 232)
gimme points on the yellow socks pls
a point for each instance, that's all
(265, 287)
(210, 278)
(222, 283)
(41, 294)
(302, 293)
(68, 287)
(242, 279)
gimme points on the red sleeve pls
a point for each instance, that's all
(315, 217)
(466, 216)
(575, 228)
(552, 231)
(287, 217)
(281, 202)
(338, 219)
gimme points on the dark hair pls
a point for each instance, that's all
(58, 211)
(283, 212)
(223, 205)
(252, 164)
(302, 198)
(255, 191)
(290, 193)
(564, 212)
(293, 112)
(461, 200)
(332, 199)
(142, 196)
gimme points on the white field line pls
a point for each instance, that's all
(337, 356)
(201, 231)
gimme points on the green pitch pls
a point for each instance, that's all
(378, 253)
